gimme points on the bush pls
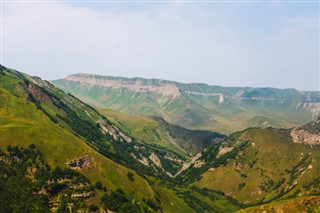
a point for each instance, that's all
(130, 176)
(93, 208)
(98, 185)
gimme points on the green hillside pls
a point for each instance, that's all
(196, 106)
(301, 204)
(258, 166)
(153, 130)
(23, 124)
(58, 150)
(69, 113)
(66, 157)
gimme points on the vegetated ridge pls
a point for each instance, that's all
(154, 130)
(196, 106)
(261, 165)
(66, 156)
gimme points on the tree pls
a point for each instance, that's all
(130, 176)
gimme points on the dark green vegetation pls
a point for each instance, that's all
(310, 204)
(66, 156)
(63, 190)
(154, 130)
(28, 183)
(196, 106)
(71, 115)
(70, 139)
(259, 166)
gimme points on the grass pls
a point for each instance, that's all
(201, 112)
(178, 198)
(143, 128)
(22, 124)
(271, 157)
(156, 131)
(300, 204)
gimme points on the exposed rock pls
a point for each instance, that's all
(256, 191)
(114, 132)
(136, 86)
(125, 137)
(239, 166)
(193, 160)
(154, 158)
(83, 195)
(224, 150)
(202, 93)
(300, 135)
(221, 98)
(169, 174)
(198, 164)
(144, 160)
(43, 191)
(174, 159)
(82, 163)
(37, 93)
(312, 106)
(109, 130)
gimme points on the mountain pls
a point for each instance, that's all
(196, 106)
(300, 204)
(154, 130)
(35, 113)
(261, 165)
(59, 154)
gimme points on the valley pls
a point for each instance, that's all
(196, 106)
(137, 145)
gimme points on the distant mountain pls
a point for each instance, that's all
(58, 154)
(196, 106)
(156, 131)
(64, 134)
(261, 165)
(64, 130)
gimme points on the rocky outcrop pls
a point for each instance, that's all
(194, 161)
(114, 132)
(154, 158)
(300, 135)
(224, 150)
(82, 163)
(165, 89)
(83, 195)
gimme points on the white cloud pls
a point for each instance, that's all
(171, 41)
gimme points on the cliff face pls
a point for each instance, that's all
(196, 106)
(304, 136)
(165, 89)
(307, 134)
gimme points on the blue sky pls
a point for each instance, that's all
(249, 43)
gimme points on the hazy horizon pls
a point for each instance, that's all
(232, 44)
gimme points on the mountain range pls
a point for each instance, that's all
(136, 145)
(196, 106)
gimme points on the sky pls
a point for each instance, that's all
(227, 43)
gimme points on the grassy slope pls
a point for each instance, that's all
(253, 174)
(140, 127)
(200, 112)
(22, 124)
(301, 204)
(176, 197)
(156, 131)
